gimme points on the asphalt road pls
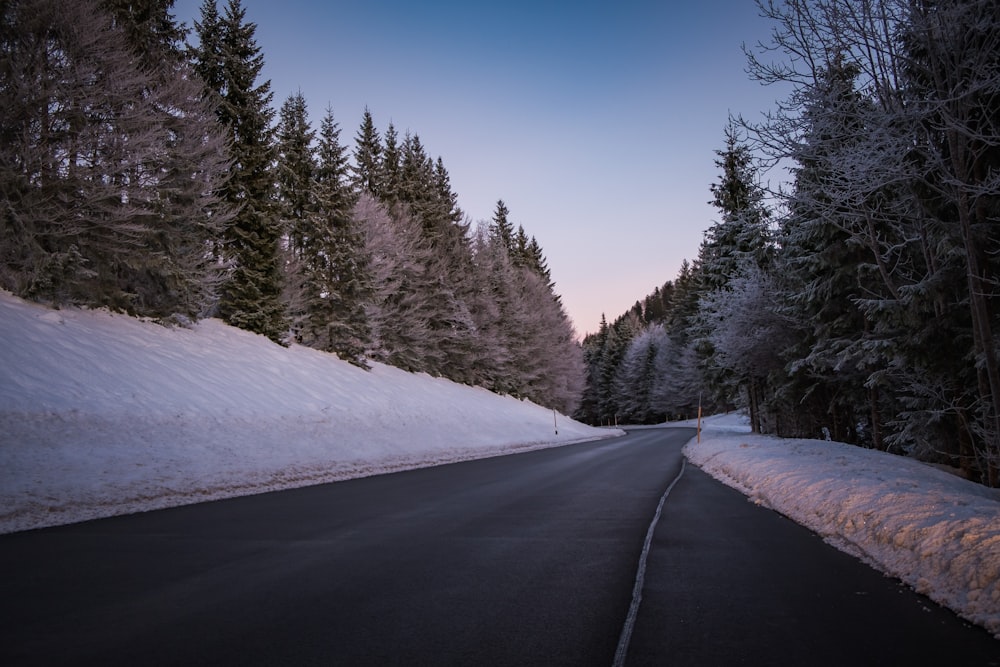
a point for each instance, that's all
(517, 560)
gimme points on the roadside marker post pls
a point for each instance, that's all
(699, 418)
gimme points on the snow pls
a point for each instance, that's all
(933, 530)
(104, 414)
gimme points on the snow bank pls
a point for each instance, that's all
(104, 414)
(934, 531)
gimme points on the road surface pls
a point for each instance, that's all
(520, 560)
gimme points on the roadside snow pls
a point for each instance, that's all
(934, 531)
(104, 414)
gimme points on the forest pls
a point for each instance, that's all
(858, 301)
(144, 169)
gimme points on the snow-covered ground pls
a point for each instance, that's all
(931, 529)
(104, 414)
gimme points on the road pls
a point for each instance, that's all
(519, 560)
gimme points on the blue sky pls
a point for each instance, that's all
(595, 122)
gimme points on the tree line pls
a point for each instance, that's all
(148, 174)
(858, 302)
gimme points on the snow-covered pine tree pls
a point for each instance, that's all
(920, 187)
(637, 376)
(228, 57)
(733, 247)
(490, 302)
(150, 29)
(501, 228)
(113, 206)
(741, 237)
(950, 63)
(398, 309)
(822, 258)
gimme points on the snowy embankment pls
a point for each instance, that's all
(936, 532)
(104, 414)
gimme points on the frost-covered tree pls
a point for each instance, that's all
(638, 375)
(913, 189)
(737, 245)
(501, 228)
(108, 166)
(740, 239)
(397, 311)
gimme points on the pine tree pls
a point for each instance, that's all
(149, 27)
(108, 169)
(398, 309)
(367, 158)
(296, 173)
(736, 246)
(297, 205)
(588, 410)
(390, 169)
(338, 256)
(417, 185)
(741, 237)
(501, 228)
(230, 59)
(823, 267)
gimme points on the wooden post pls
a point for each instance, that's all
(699, 418)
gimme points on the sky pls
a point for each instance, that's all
(595, 122)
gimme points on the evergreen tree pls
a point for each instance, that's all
(230, 59)
(593, 351)
(501, 228)
(823, 268)
(535, 260)
(636, 376)
(399, 306)
(108, 169)
(296, 173)
(447, 199)
(390, 169)
(340, 264)
(367, 158)
(417, 185)
(734, 247)
(207, 57)
(150, 29)
(741, 237)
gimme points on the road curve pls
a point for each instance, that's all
(518, 560)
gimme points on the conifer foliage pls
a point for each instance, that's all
(108, 161)
(230, 63)
(864, 307)
(150, 176)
